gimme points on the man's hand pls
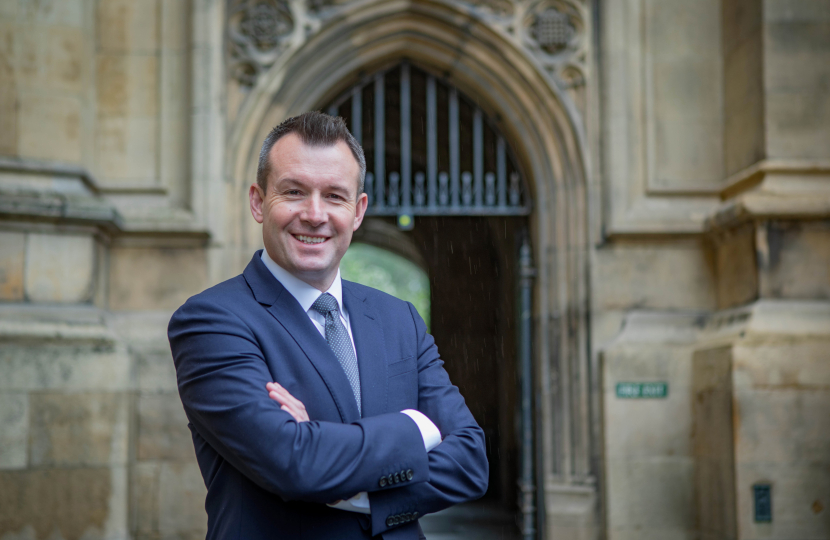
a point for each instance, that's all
(289, 403)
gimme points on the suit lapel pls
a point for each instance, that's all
(371, 350)
(287, 311)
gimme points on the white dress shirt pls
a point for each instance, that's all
(306, 295)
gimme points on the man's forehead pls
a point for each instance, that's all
(290, 154)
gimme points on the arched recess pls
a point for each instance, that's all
(548, 141)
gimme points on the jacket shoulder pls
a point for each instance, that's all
(228, 294)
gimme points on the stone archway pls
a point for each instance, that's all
(548, 139)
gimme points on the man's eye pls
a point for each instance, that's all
(293, 192)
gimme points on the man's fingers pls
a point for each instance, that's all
(283, 396)
(288, 403)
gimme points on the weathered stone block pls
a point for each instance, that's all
(12, 257)
(651, 494)
(798, 261)
(736, 267)
(125, 148)
(8, 91)
(145, 494)
(66, 63)
(128, 25)
(14, 430)
(673, 275)
(647, 427)
(62, 13)
(713, 448)
(181, 501)
(156, 372)
(65, 367)
(147, 278)
(50, 127)
(162, 428)
(70, 504)
(799, 500)
(59, 268)
(78, 429)
(744, 142)
(797, 65)
(127, 85)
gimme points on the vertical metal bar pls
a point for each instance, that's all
(357, 113)
(380, 142)
(369, 188)
(527, 482)
(501, 172)
(406, 139)
(455, 138)
(432, 142)
(478, 158)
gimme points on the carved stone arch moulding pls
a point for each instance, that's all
(485, 62)
(554, 33)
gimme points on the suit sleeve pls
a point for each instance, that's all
(221, 376)
(458, 468)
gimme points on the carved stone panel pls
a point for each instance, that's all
(258, 32)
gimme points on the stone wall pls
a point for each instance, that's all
(679, 163)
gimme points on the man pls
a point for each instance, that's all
(293, 380)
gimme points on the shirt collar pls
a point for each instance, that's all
(305, 294)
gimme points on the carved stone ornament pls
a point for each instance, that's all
(499, 8)
(552, 30)
(258, 32)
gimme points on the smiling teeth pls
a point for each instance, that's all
(309, 239)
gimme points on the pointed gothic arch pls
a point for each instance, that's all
(547, 136)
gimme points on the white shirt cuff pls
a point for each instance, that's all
(359, 503)
(429, 432)
(432, 438)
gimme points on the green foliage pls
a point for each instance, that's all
(389, 273)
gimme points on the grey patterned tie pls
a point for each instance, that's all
(339, 341)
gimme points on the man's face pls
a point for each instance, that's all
(310, 208)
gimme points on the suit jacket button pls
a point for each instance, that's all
(407, 517)
(414, 515)
(390, 479)
(409, 474)
(389, 521)
(397, 477)
(382, 481)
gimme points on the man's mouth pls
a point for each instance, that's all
(310, 239)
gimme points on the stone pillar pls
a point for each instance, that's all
(761, 368)
(761, 392)
(65, 395)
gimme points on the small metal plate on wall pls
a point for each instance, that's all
(642, 390)
(763, 502)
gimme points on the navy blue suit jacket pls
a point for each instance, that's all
(268, 476)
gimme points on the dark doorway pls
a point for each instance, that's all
(439, 168)
(471, 263)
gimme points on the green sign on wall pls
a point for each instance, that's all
(642, 390)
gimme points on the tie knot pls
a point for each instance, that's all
(325, 304)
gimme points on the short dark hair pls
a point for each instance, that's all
(314, 129)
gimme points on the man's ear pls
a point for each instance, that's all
(256, 196)
(360, 210)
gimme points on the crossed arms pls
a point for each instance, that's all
(222, 373)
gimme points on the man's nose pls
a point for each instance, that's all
(314, 211)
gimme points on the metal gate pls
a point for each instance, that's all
(430, 150)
